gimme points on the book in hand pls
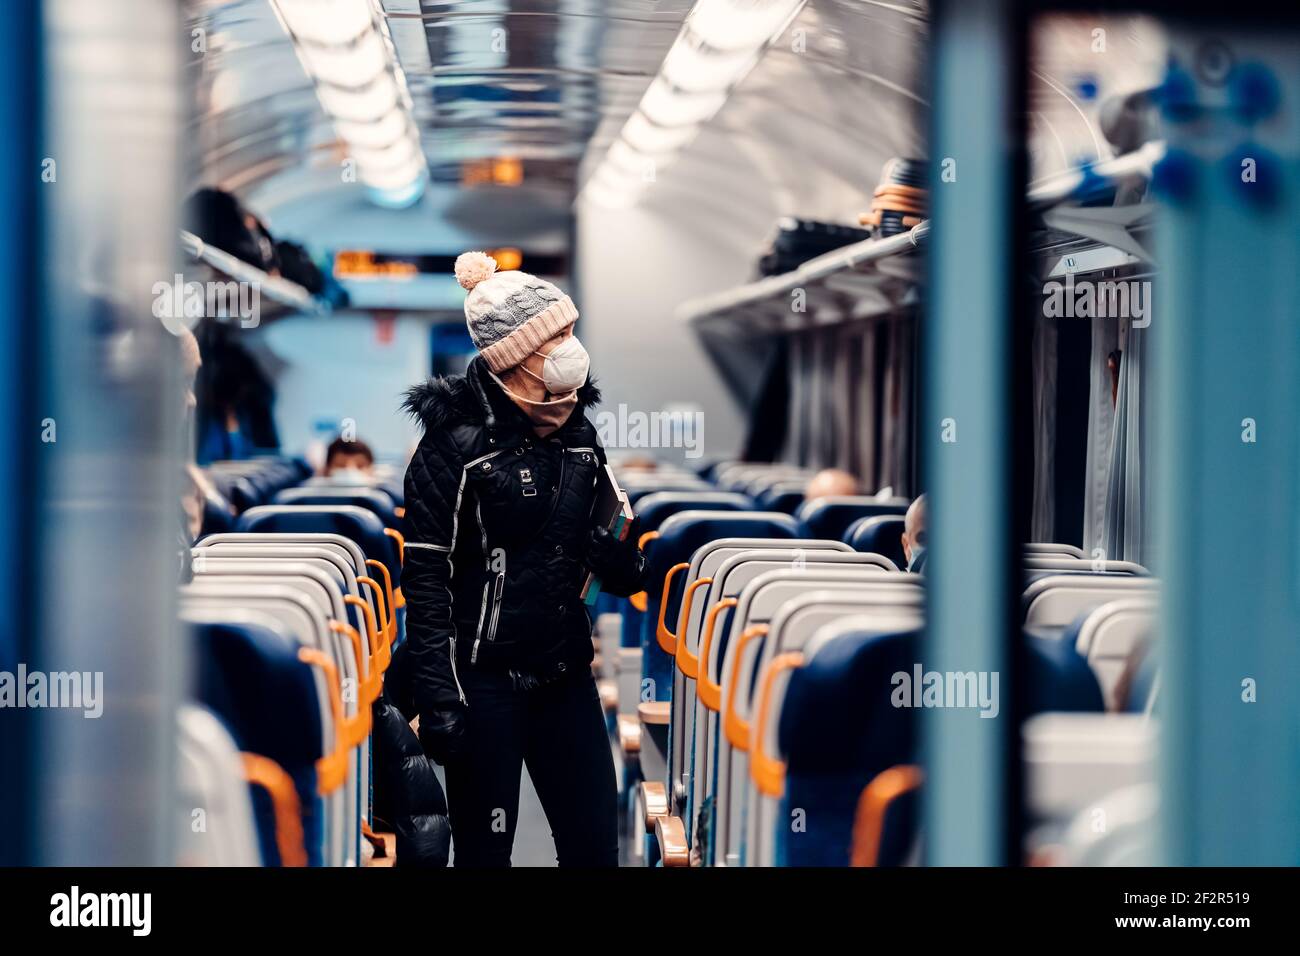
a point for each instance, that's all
(613, 512)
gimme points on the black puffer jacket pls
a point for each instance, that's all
(498, 539)
(408, 798)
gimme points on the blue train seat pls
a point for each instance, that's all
(830, 517)
(725, 771)
(679, 536)
(717, 573)
(1055, 599)
(301, 612)
(359, 524)
(211, 780)
(838, 729)
(251, 677)
(372, 499)
(881, 534)
(782, 497)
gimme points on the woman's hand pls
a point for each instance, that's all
(442, 734)
(619, 565)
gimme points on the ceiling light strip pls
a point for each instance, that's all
(719, 43)
(346, 49)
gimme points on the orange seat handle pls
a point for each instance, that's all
(869, 820)
(370, 685)
(687, 662)
(332, 768)
(372, 631)
(768, 772)
(710, 694)
(667, 639)
(401, 544)
(286, 808)
(390, 608)
(737, 729)
(641, 600)
(383, 652)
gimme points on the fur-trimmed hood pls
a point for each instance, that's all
(452, 399)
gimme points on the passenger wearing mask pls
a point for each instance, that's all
(499, 541)
(349, 462)
(914, 536)
(831, 483)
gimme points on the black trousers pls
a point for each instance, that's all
(558, 731)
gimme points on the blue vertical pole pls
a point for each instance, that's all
(1228, 486)
(20, 96)
(965, 431)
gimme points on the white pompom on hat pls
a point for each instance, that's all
(509, 314)
(473, 267)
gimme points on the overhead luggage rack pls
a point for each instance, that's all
(845, 272)
(280, 291)
(878, 275)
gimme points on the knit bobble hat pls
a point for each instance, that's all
(509, 314)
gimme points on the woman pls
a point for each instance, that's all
(499, 542)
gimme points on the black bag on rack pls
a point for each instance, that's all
(798, 240)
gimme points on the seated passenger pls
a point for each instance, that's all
(831, 483)
(914, 536)
(349, 462)
(499, 541)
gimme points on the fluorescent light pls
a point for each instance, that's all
(403, 151)
(746, 25)
(664, 106)
(373, 133)
(353, 65)
(630, 162)
(697, 69)
(719, 43)
(647, 137)
(358, 105)
(345, 48)
(396, 178)
(327, 22)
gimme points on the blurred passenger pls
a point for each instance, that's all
(234, 399)
(831, 483)
(349, 461)
(638, 463)
(499, 541)
(192, 495)
(914, 536)
(1134, 690)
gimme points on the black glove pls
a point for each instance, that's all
(619, 565)
(442, 734)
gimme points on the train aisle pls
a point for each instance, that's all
(462, 437)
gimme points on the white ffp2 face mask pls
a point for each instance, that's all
(565, 367)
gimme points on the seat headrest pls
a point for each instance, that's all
(251, 677)
(350, 521)
(880, 534)
(372, 499)
(831, 517)
(1058, 678)
(785, 500)
(655, 508)
(838, 714)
